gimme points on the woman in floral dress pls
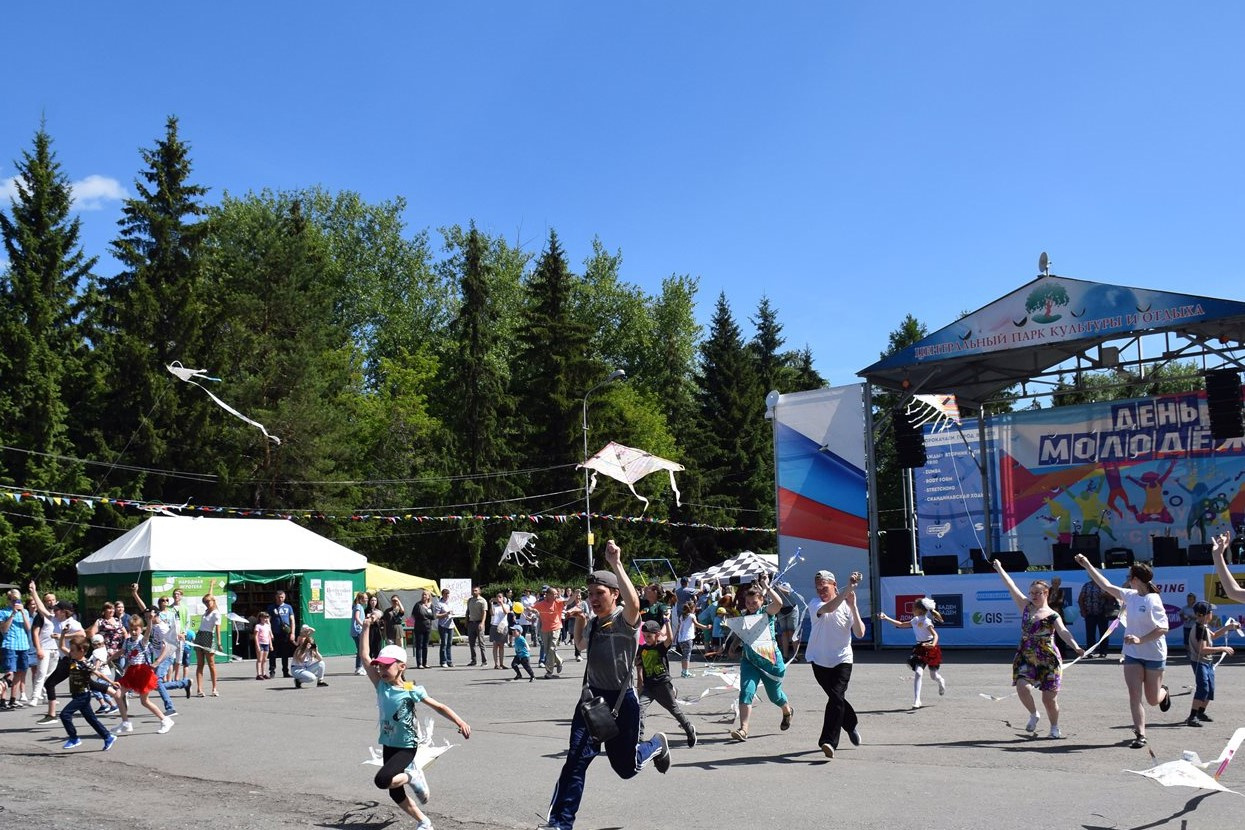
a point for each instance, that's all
(1037, 664)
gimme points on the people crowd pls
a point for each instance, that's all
(628, 637)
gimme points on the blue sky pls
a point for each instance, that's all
(855, 162)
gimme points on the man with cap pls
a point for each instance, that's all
(835, 619)
(609, 637)
(550, 607)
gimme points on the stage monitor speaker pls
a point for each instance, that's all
(1199, 555)
(896, 553)
(1117, 558)
(940, 565)
(1061, 557)
(1014, 561)
(1168, 553)
(981, 565)
(1086, 543)
(1223, 403)
(909, 440)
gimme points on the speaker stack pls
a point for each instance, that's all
(1223, 402)
(909, 440)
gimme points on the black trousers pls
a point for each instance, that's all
(839, 713)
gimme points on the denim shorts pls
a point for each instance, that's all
(1152, 665)
(1204, 677)
(12, 660)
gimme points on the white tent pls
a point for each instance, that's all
(738, 569)
(198, 543)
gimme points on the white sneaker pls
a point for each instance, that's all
(1031, 726)
(426, 824)
(165, 725)
(360, 671)
(942, 686)
(418, 783)
(916, 704)
(1055, 733)
(123, 728)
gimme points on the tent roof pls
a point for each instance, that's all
(199, 543)
(380, 578)
(735, 569)
(1040, 325)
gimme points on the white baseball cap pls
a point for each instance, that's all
(390, 654)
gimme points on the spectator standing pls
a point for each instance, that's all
(14, 645)
(393, 620)
(422, 620)
(284, 623)
(550, 607)
(1096, 609)
(477, 621)
(445, 628)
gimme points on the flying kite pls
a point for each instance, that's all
(192, 376)
(1189, 770)
(520, 549)
(940, 410)
(629, 465)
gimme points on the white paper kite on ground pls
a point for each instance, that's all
(1189, 770)
(192, 376)
(629, 465)
(517, 550)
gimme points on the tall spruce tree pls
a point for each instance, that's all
(41, 347)
(147, 316)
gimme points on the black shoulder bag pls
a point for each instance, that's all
(600, 718)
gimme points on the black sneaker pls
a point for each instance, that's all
(853, 735)
(1138, 742)
(661, 761)
(691, 735)
(1166, 702)
(1193, 721)
(298, 684)
(1203, 717)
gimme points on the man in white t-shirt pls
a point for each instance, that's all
(835, 619)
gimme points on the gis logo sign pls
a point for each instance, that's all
(987, 618)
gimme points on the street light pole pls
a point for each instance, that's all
(617, 374)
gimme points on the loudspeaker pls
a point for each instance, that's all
(1086, 543)
(940, 565)
(1014, 561)
(1117, 558)
(1199, 555)
(981, 565)
(1061, 557)
(909, 440)
(896, 553)
(1168, 553)
(1223, 403)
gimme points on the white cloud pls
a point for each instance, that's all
(92, 192)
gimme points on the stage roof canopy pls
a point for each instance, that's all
(1043, 324)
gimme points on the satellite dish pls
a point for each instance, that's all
(1044, 264)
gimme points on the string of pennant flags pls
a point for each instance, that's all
(17, 495)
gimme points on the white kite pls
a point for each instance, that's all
(629, 465)
(192, 376)
(520, 549)
(1189, 771)
(425, 751)
(754, 630)
(939, 410)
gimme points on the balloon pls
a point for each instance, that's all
(517, 608)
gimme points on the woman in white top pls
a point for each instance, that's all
(927, 653)
(835, 619)
(207, 641)
(1145, 641)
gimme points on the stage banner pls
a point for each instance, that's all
(823, 505)
(978, 610)
(1098, 476)
(949, 506)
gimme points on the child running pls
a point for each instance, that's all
(927, 653)
(653, 665)
(761, 661)
(522, 654)
(1201, 652)
(82, 678)
(138, 678)
(399, 727)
